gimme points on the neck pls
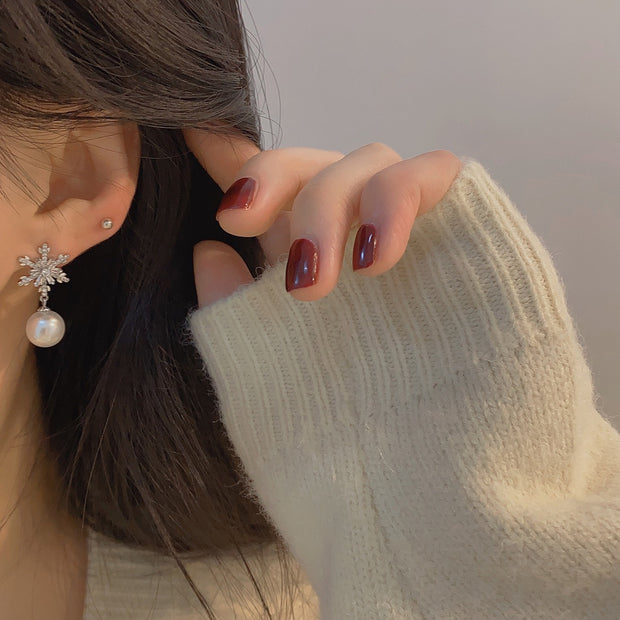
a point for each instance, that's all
(20, 428)
(42, 548)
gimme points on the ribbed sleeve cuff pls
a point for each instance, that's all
(473, 281)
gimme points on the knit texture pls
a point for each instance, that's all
(426, 440)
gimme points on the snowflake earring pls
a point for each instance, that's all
(44, 328)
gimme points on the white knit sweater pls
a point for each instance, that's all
(426, 441)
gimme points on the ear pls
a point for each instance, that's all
(92, 178)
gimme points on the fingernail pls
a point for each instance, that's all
(365, 247)
(239, 195)
(302, 268)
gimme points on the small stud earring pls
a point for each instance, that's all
(44, 328)
(107, 223)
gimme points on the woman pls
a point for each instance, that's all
(408, 434)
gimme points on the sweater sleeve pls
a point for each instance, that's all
(426, 440)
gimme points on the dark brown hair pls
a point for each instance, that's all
(130, 416)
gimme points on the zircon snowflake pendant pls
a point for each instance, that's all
(44, 328)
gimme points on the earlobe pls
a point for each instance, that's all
(92, 183)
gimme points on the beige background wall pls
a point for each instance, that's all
(530, 88)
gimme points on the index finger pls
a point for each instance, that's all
(221, 156)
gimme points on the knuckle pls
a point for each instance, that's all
(445, 154)
(375, 146)
(382, 148)
(445, 158)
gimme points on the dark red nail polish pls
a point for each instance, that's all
(365, 246)
(239, 195)
(302, 268)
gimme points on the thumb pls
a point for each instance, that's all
(218, 271)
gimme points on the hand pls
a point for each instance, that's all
(305, 193)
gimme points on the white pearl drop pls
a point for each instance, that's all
(45, 328)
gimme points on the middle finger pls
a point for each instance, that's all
(323, 214)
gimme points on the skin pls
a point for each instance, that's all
(76, 179)
(318, 195)
(79, 177)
